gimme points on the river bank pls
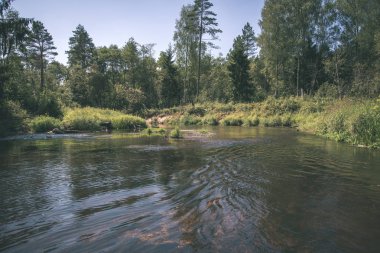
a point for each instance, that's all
(354, 121)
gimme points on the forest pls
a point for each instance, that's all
(307, 49)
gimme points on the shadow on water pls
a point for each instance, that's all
(241, 190)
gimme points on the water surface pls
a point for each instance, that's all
(240, 190)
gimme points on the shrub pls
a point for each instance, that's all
(365, 128)
(90, 119)
(49, 105)
(197, 110)
(128, 122)
(232, 121)
(274, 121)
(12, 118)
(42, 124)
(154, 131)
(287, 121)
(251, 121)
(82, 120)
(175, 133)
(210, 120)
(190, 120)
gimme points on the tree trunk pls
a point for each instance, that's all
(199, 51)
(298, 73)
(42, 81)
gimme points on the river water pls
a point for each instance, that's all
(240, 190)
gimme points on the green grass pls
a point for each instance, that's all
(175, 133)
(153, 132)
(348, 120)
(43, 124)
(232, 120)
(90, 119)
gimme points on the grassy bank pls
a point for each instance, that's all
(88, 119)
(353, 121)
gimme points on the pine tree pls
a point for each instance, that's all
(238, 67)
(41, 48)
(249, 40)
(81, 48)
(169, 88)
(206, 25)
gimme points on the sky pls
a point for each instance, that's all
(147, 21)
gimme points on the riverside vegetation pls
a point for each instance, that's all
(355, 121)
(317, 70)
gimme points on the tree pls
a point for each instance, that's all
(206, 25)
(41, 48)
(169, 88)
(185, 46)
(249, 40)
(81, 48)
(131, 57)
(238, 67)
(13, 32)
(287, 43)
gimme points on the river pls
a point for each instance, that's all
(240, 190)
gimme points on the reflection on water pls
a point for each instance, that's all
(240, 190)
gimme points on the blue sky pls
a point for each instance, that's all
(148, 21)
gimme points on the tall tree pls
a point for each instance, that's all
(185, 46)
(13, 32)
(169, 88)
(131, 58)
(287, 44)
(41, 48)
(238, 67)
(249, 40)
(81, 48)
(206, 25)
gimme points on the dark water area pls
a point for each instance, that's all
(241, 190)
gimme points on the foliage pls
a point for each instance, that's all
(232, 120)
(154, 131)
(89, 119)
(43, 124)
(251, 121)
(128, 122)
(81, 48)
(238, 67)
(169, 89)
(175, 133)
(12, 118)
(41, 48)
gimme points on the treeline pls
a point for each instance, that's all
(306, 47)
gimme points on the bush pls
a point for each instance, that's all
(210, 120)
(197, 110)
(154, 131)
(232, 121)
(280, 106)
(49, 105)
(190, 120)
(365, 128)
(90, 119)
(175, 133)
(128, 122)
(42, 124)
(251, 121)
(12, 118)
(274, 121)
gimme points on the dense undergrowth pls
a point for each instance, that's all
(348, 120)
(355, 121)
(88, 119)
